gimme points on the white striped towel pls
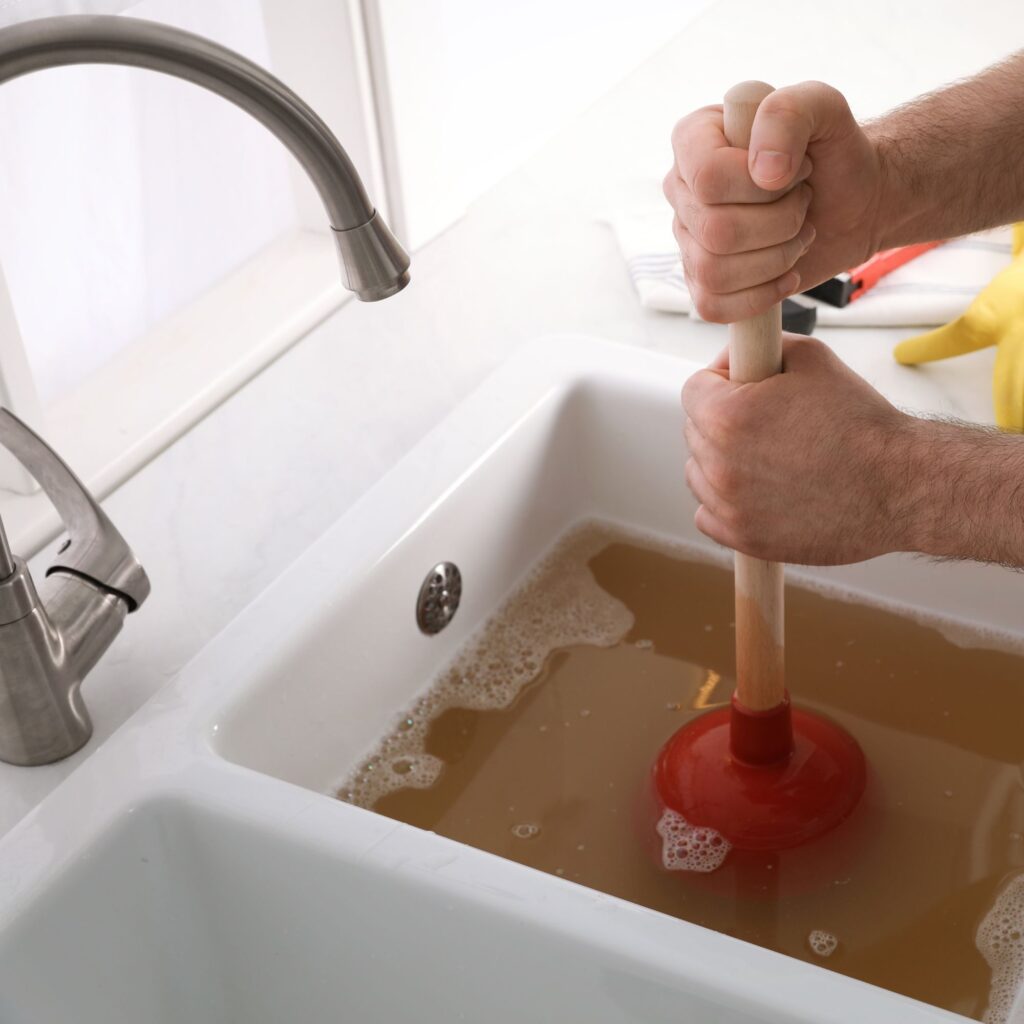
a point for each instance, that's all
(932, 289)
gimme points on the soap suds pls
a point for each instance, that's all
(558, 605)
(822, 943)
(1000, 940)
(526, 830)
(686, 847)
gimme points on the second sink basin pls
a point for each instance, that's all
(189, 913)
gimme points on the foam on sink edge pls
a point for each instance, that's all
(559, 604)
(1000, 940)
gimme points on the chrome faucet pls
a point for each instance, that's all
(50, 639)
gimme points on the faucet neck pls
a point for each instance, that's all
(373, 264)
(132, 42)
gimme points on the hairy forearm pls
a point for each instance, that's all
(953, 160)
(960, 492)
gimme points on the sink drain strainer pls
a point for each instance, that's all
(439, 598)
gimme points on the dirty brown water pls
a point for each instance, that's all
(557, 778)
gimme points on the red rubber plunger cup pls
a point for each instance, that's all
(762, 774)
(764, 780)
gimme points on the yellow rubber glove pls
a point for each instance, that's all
(995, 317)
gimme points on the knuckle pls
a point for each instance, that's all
(703, 521)
(717, 232)
(806, 102)
(786, 105)
(697, 224)
(733, 421)
(688, 398)
(723, 478)
(706, 185)
(807, 349)
(750, 303)
(824, 94)
(703, 270)
(709, 306)
(670, 186)
(791, 212)
(679, 131)
(694, 445)
(693, 384)
(783, 259)
(795, 219)
(741, 525)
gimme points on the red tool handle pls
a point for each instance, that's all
(868, 274)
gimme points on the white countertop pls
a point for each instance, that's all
(223, 511)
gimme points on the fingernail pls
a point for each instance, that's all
(790, 283)
(770, 166)
(806, 236)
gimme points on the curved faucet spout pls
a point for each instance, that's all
(49, 641)
(374, 265)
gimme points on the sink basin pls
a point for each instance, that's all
(564, 443)
(188, 913)
(196, 867)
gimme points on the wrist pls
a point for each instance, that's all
(904, 474)
(893, 206)
(960, 496)
(922, 522)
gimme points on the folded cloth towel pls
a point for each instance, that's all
(932, 289)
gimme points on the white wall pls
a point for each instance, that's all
(477, 85)
(125, 194)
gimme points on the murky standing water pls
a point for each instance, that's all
(537, 745)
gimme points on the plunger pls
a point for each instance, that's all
(762, 774)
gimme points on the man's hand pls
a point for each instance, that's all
(808, 466)
(801, 205)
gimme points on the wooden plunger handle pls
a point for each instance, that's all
(755, 352)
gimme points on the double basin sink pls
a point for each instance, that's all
(197, 868)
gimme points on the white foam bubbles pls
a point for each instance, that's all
(526, 830)
(686, 847)
(1000, 940)
(558, 605)
(822, 943)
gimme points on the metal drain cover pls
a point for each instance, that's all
(439, 598)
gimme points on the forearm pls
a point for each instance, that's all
(960, 492)
(953, 160)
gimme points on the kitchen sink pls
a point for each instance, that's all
(198, 867)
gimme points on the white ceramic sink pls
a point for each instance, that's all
(187, 914)
(196, 869)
